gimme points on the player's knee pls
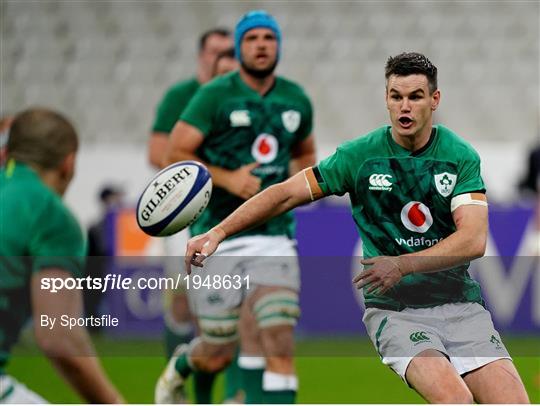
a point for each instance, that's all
(212, 364)
(207, 357)
(280, 308)
(219, 330)
(457, 397)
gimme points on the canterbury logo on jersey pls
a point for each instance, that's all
(419, 336)
(380, 182)
(240, 118)
(416, 217)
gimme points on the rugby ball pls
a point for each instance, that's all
(174, 198)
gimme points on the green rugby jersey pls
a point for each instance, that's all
(401, 204)
(173, 103)
(240, 127)
(36, 231)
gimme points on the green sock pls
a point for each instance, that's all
(232, 379)
(252, 384)
(203, 383)
(182, 365)
(279, 396)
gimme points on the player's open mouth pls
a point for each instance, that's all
(405, 122)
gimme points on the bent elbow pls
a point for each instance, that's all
(478, 248)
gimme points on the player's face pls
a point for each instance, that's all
(259, 51)
(410, 104)
(215, 44)
(225, 65)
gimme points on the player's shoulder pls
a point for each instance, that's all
(183, 86)
(291, 87)
(453, 143)
(221, 83)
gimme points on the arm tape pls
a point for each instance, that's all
(475, 199)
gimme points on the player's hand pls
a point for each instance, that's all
(242, 183)
(382, 274)
(201, 247)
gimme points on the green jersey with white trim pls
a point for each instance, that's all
(36, 232)
(401, 203)
(241, 127)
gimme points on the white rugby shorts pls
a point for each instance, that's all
(464, 332)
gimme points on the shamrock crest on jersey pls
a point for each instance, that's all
(291, 120)
(445, 182)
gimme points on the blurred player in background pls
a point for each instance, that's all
(39, 238)
(178, 320)
(213, 59)
(225, 62)
(410, 181)
(249, 128)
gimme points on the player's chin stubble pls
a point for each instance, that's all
(259, 73)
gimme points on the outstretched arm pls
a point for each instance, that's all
(271, 202)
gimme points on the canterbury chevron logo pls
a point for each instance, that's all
(379, 181)
(419, 336)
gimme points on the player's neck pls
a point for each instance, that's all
(413, 142)
(260, 85)
(203, 76)
(52, 179)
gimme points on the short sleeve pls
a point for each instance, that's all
(333, 174)
(201, 109)
(169, 110)
(57, 240)
(306, 125)
(469, 178)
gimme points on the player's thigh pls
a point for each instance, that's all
(436, 380)
(497, 382)
(216, 305)
(249, 332)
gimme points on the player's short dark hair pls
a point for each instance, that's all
(41, 137)
(222, 32)
(412, 63)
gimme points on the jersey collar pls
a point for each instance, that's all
(248, 89)
(400, 151)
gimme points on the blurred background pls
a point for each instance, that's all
(106, 64)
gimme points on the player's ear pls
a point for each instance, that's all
(67, 167)
(435, 99)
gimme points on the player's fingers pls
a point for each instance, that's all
(197, 259)
(374, 286)
(188, 256)
(251, 166)
(361, 275)
(366, 282)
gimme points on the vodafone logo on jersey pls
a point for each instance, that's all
(416, 217)
(265, 148)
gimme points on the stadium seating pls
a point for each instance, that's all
(107, 63)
